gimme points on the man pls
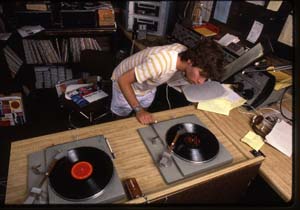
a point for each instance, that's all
(135, 79)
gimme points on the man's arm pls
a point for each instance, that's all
(125, 81)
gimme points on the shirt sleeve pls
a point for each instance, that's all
(154, 66)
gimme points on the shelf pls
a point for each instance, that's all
(80, 31)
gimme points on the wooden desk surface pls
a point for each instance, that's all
(132, 157)
(276, 169)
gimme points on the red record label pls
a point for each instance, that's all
(81, 170)
(15, 104)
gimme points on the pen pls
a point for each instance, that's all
(108, 144)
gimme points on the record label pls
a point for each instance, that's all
(81, 170)
(197, 144)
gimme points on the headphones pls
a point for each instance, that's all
(263, 124)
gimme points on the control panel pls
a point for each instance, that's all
(255, 87)
(186, 36)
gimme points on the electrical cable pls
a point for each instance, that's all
(280, 104)
(255, 110)
(186, 6)
(167, 96)
(248, 113)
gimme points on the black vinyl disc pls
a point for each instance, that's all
(197, 144)
(82, 174)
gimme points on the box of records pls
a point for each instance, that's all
(12, 110)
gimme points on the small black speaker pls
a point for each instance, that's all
(79, 18)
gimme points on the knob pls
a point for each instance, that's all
(248, 93)
(238, 87)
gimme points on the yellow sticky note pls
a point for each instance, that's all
(220, 106)
(253, 140)
(205, 31)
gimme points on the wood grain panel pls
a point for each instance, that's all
(132, 157)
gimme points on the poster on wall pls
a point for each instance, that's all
(222, 11)
(274, 5)
(255, 32)
(259, 3)
(286, 35)
(206, 10)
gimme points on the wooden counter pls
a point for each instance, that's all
(132, 157)
(276, 169)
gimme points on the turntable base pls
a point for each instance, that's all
(112, 192)
(179, 168)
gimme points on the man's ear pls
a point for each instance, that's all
(189, 62)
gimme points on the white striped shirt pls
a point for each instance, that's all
(153, 66)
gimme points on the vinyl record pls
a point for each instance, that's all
(82, 174)
(197, 144)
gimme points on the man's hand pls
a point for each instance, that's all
(144, 117)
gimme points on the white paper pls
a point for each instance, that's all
(227, 39)
(206, 10)
(281, 138)
(259, 3)
(286, 35)
(4, 36)
(255, 32)
(30, 30)
(274, 5)
(224, 104)
(94, 96)
(222, 10)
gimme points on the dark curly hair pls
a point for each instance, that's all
(208, 56)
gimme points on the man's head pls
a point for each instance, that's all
(206, 57)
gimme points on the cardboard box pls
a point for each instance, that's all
(106, 17)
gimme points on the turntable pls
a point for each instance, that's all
(183, 147)
(80, 172)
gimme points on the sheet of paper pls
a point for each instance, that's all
(206, 10)
(281, 138)
(222, 9)
(286, 35)
(30, 30)
(253, 140)
(224, 104)
(255, 32)
(95, 96)
(259, 3)
(4, 36)
(274, 5)
(227, 39)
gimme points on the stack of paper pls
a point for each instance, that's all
(30, 30)
(227, 39)
(281, 138)
(205, 31)
(223, 104)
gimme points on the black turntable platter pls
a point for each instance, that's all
(82, 174)
(196, 144)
